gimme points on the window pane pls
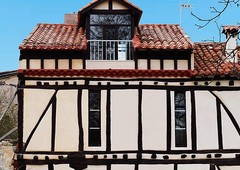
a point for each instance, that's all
(96, 33)
(181, 138)
(94, 101)
(94, 119)
(180, 120)
(103, 19)
(94, 137)
(124, 33)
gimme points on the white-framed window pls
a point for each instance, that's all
(180, 119)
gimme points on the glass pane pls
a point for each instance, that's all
(110, 34)
(94, 137)
(180, 119)
(180, 100)
(181, 138)
(103, 19)
(94, 100)
(94, 119)
(96, 33)
(124, 33)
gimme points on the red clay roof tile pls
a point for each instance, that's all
(161, 36)
(113, 73)
(210, 60)
(55, 37)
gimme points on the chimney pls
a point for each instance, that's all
(71, 19)
(231, 33)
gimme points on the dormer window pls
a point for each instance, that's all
(110, 37)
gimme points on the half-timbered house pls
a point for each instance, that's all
(103, 92)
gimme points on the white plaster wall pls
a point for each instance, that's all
(49, 64)
(99, 167)
(168, 64)
(102, 6)
(35, 64)
(85, 117)
(63, 64)
(124, 119)
(91, 64)
(142, 64)
(62, 167)
(41, 140)
(156, 167)
(37, 167)
(154, 116)
(182, 64)
(229, 98)
(231, 138)
(23, 64)
(122, 167)
(67, 130)
(192, 61)
(194, 166)
(35, 102)
(229, 167)
(155, 64)
(188, 122)
(77, 64)
(206, 120)
(118, 6)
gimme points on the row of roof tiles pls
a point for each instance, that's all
(70, 37)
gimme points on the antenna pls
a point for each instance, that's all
(183, 6)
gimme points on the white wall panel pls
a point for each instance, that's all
(123, 167)
(23, 64)
(124, 119)
(35, 102)
(206, 120)
(142, 64)
(35, 64)
(182, 64)
(155, 64)
(154, 116)
(77, 64)
(37, 167)
(118, 6)
(194, 166)
(156, 167)
(49, 64)
(231, 138)
(63, 64)
(102, 6)
(67, 130)
(229, 167)
(229, 98)
(99, 167)
(41, 140)
(62, 167)
(168, 64)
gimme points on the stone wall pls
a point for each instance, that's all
(6, 155)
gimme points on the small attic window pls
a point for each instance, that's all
(110, 36)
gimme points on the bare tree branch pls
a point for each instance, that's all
(214, 10)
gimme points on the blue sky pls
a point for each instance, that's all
(19, 17)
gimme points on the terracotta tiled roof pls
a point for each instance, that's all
(230, 28)
(210, 60)
(113, 73)
(156, 36)
(95, 1)
(55, 37)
